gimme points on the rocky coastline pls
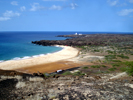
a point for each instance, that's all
(89, 39)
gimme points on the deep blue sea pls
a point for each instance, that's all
(17, 45)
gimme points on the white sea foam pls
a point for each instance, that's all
(26, 57)
(41, 54)
(1, 61)
(16, 58)
(34, 56)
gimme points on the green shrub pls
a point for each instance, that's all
(103, 66)
(123, 69)
(109, 51)
(78, 73)
(98, 66)
(96, 50)
(116, 61)
(67, 73)
(116, 65)
(112, 69)
(130, 71)
(85, 67)
(130, 67)
(110, 57)
(122, 56)
(129, 63)
(82, 74)
(95, 66)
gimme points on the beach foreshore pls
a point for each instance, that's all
(66, 53)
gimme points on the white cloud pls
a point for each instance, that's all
(8, 15)
(36, 6)
(4, 18)
(11, 14)
(73, 5)
(112, 3)
(125, 12)
(23, 8)
(54, 7)
(14, 3)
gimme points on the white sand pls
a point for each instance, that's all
(66, 53)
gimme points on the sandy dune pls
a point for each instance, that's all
(66, 53)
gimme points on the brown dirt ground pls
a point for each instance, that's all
(52, 67)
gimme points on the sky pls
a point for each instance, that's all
(66, 15)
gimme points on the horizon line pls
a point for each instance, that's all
(69, 31)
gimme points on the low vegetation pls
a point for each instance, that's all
(116, 65)
(115, 55)
(112, 69)
(116, 49)
(67, 73)
(85, 67)
(110, 57)
(116, 61)
(78, 73)
(97, 66)
(122, 56)
(123, 69)
(129, 68)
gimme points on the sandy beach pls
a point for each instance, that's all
(66, 53)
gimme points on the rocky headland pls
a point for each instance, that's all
(91, 39)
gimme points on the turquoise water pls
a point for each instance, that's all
(17, 45)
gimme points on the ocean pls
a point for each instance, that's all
(17, 45)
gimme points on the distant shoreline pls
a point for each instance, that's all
(66, 53)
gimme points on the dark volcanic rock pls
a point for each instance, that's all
(12, 73)
(6, 87)
(94, 39)
(66, 88)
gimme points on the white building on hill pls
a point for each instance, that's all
(76, 33)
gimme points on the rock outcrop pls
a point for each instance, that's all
(93, 39)
(66, 88)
